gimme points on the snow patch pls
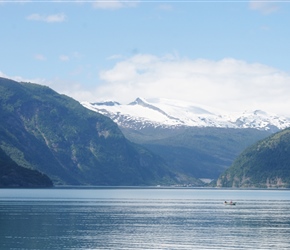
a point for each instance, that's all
(171, 113)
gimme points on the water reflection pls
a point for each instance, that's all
(183, 221)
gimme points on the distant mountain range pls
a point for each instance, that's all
(50, 138)
(194, 140)
(167, 113)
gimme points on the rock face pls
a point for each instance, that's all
(54, 134)
(266, 164)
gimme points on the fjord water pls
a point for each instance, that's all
(127, 218)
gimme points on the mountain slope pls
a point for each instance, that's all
(12, 175)
(54, 134)
(192, 140)
(265, 164)
(197, 152)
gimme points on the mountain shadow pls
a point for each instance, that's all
(12, 175)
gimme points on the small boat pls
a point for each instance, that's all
(230, 203)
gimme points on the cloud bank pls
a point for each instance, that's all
(39, 57)
(113, 5)
(56, 18)
(228, 84)
(265, 7)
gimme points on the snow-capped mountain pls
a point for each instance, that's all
(171, 113)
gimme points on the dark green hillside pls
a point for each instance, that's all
(12, 175)
(265, 164)
(41, 129)
(197, 152)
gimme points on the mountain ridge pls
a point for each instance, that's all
(203, 149)
(171, 113)
(200, 152)
(54, 134)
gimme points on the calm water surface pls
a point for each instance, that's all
(144, 219)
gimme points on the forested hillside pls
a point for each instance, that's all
(52, 133)
(265, 164)
(12, 175)
(197, 152)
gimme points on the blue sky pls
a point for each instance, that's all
(232, 55)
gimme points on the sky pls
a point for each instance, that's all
(232, 55)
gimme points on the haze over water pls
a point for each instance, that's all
(144, 219)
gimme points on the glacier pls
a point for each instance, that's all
(169, 113)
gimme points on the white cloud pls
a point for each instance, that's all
(61, 17)
(39, 57)
(21, 79)
(64, 58)
(114, 57)
(165, 7)
(114, 4)
(265, 7)
(228, 84)
(69, 88)
(3, 75)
